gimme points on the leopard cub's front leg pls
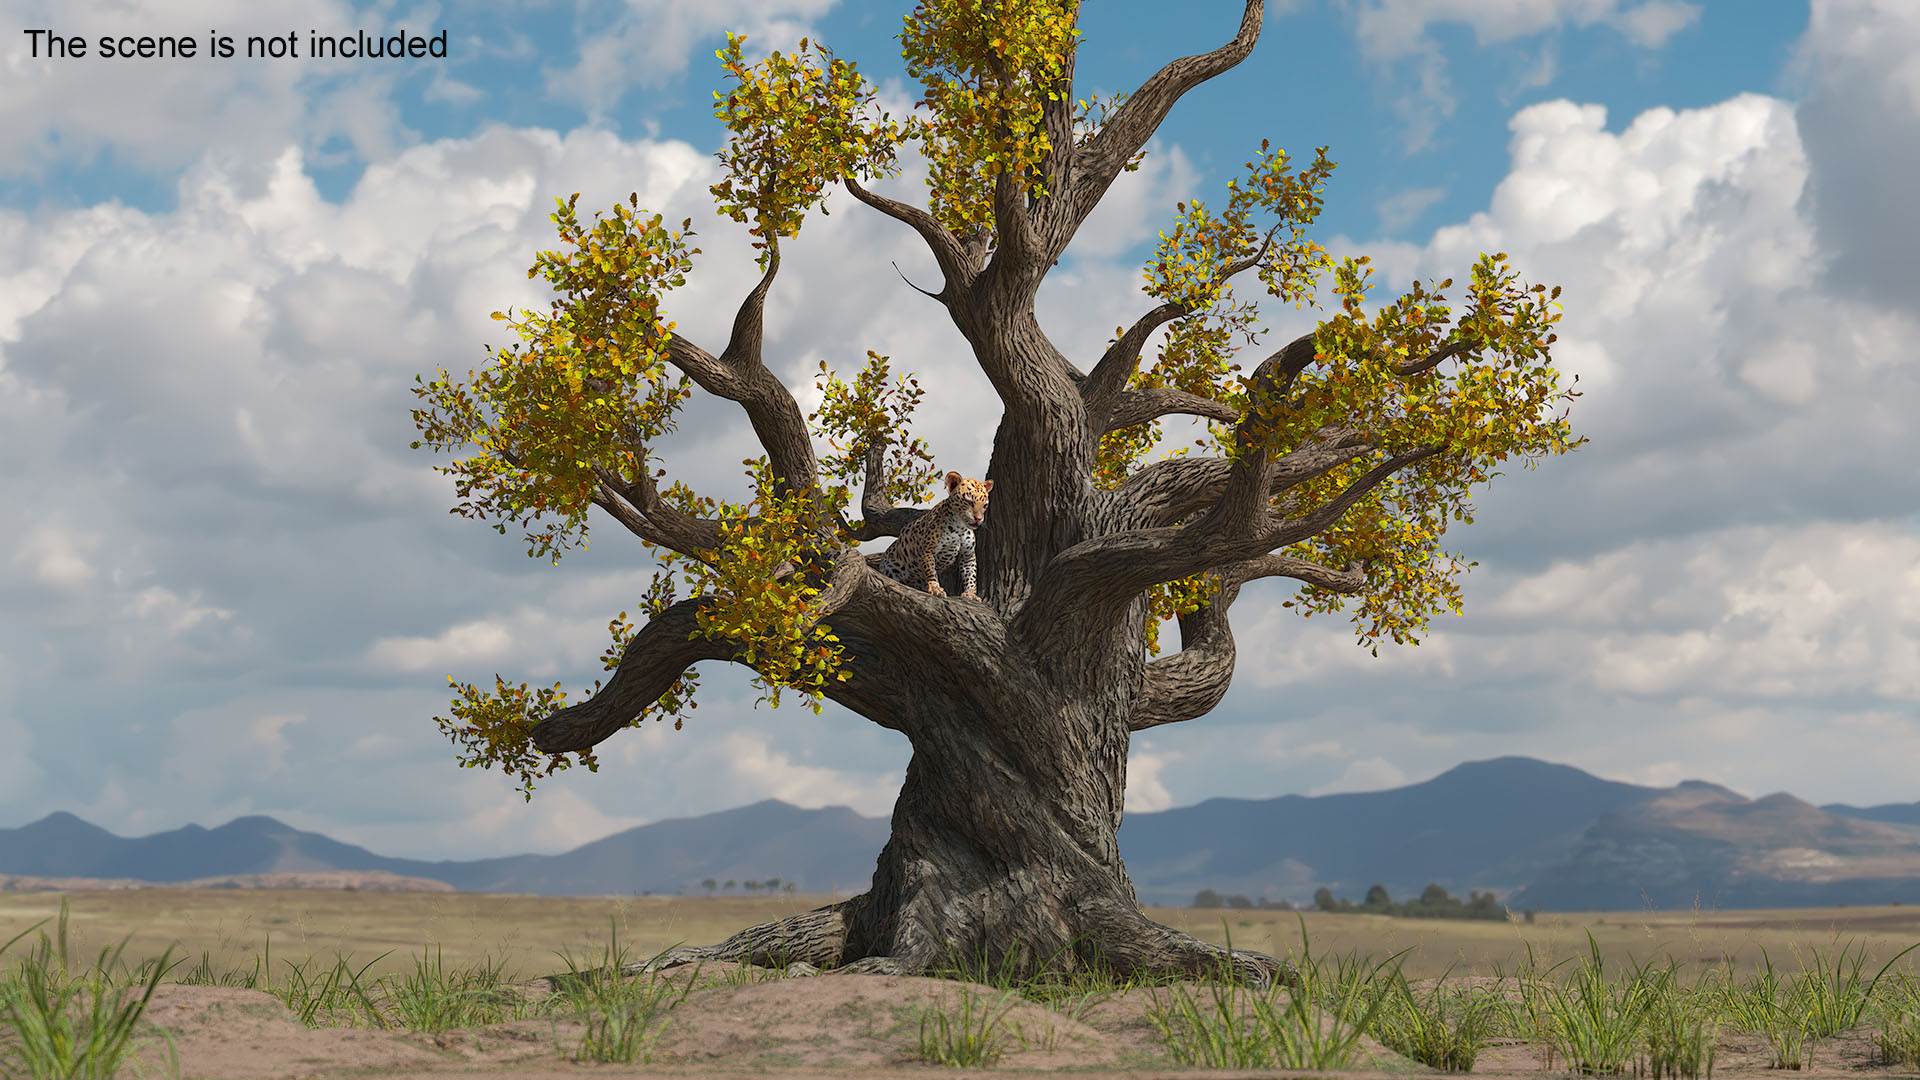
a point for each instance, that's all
(968, 573)
(926, 568)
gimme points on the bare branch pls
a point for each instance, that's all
(1435, 358)
(1350, 580)
(1249, 485)
(909, 281)
(1097, 163)
(1173, 491)
(739, 375)
(1122, 358)
(1091, 582)
(1323, 517)
(873, 497)
(705, 369)
(878, 517)
(957, 262)
(1278, 371)
(1139, 406)
(1252, 260)
(658, 654)
(638, 506)
(1192, 681)
(1117, 365)
(1019, 241)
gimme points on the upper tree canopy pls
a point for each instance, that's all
(1337, 460)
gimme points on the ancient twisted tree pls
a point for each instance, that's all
(1335, 461)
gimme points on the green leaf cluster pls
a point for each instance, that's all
(866, 413)
(797, 126)
(988, 68)
(764, 585)
(1495, 403)
(585, 390)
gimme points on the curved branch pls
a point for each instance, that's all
(738, 374)
(1132, 407)
(1249, 482)
(1091, 582)
(1097, 163)
(1350, 580)
(658, 655)
(671, 642)
(1294, 530)
(909, 281)
(1192, 681)
(1172, 491)
(1122, 358)
(1117, 364)
(878, 517)
(889, 633)
(1435, 358)
(1252, 260)
(638, 506)
(953, 256)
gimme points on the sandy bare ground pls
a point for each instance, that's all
(826, 1026)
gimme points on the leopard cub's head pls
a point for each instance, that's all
(968, 498)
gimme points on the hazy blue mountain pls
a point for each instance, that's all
(1891, 813)
(1480, 825)
(816, 849)
(58, 845)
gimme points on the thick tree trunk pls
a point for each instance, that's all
(1003, 858)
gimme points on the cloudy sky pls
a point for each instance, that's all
(227, 586)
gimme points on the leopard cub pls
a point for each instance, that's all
(940, 536)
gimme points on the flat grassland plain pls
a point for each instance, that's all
(527, 934)
(355, 988)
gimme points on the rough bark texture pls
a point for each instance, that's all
(1019, 706)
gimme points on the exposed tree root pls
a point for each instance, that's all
(1127, 944)
(802, 944)
(1124, 944)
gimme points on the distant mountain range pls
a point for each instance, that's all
(1703, 841)
(1540, 835)
(817, 849)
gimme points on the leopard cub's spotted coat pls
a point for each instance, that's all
(939, 536)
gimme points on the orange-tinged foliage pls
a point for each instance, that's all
(764, 587)
(869, 412)
(588, 385)
(988, 67)
(1495, 403)
(797, 127)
